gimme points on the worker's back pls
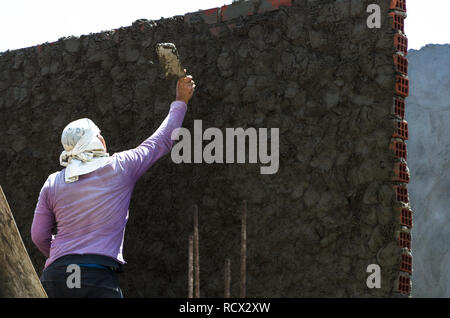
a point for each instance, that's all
(91, 213)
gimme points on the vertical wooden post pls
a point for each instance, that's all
(243, 250)
(196, 254)
(191, 267)
(227, 277)
(18, 278)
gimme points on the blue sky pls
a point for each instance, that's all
(25, 23)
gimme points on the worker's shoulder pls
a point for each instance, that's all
(53, 178)
(55, 174)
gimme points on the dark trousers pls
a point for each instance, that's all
(94, 283)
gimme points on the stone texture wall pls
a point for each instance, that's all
(311, 68)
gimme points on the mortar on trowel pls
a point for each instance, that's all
(170, 60)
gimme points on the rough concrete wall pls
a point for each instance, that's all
(428, 115)
(314, 70)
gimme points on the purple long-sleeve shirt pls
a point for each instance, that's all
(91, 213)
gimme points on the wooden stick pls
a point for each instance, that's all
(243, 250)
(18, 278)
(227, 277)
(191, 267)
(196, 254)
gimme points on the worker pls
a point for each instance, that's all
(87, 202)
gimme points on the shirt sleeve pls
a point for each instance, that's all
(135, 162)
(43, 221)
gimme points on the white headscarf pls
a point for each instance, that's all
(83, 151)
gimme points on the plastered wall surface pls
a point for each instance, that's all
(429, 114)
(312, 69)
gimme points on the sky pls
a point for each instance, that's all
(25, 23)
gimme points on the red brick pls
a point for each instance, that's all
(405, 216)
(401, 43)
(404, 284)
(398, 22)
(406, 264)
(401, 129)
(401, 193)
(278, 3)
(401, 173)
(402, 86)
(399, 147)
(270, 5)
(223, 12)
(399, 107)
(398, 5)
(401, 64)
(236, 10)
(209, 16)
(404, 240)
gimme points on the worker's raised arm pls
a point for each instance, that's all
(43, 222)
(135, 162)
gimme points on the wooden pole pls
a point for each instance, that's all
(227, 277)
(243, 250)
(18, 278)
(196, 254)
(191, 267)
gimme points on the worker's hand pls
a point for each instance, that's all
(185, 88)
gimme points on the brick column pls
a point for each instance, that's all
(401, 172)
